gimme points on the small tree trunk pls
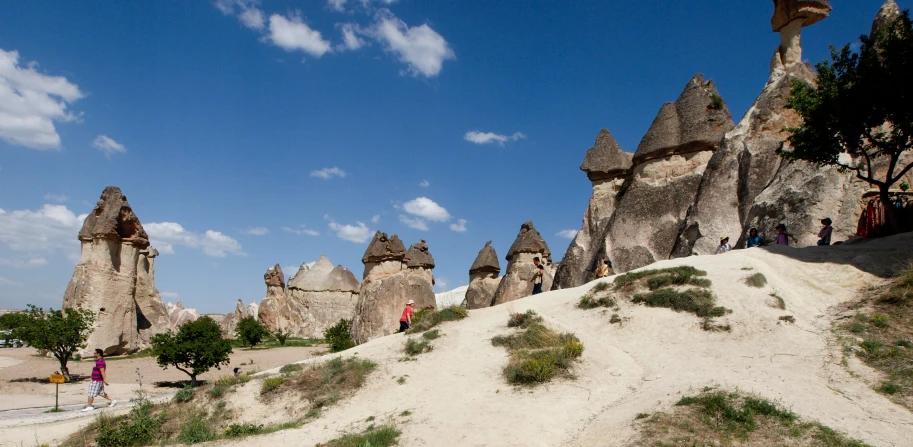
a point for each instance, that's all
(889, 210)
(193, 380)
(63, 366)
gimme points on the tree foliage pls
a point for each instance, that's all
(281, 336)
(197, 347)
(251, 331)
(861, 107)
(339, 337)
(60, 332)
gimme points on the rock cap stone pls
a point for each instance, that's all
(606, 159)
(486, 261)
(113, 219)
(383, 248)
(343, 280)
(274, 277)
(695, 122)
(419, 256)
(528, 241)
(787, 11)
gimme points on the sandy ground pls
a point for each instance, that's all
(457, 395)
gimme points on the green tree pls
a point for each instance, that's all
(197, 347)
(339, 337)
(251, 331)
(281, 336)
(60, 332)
(862, 107)
(10, 321)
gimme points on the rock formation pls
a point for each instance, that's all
(790, 16)
(328, 294)
(115, 278)
(178, 315)
(277, 311)
(517, 283)
(483, 278)
(389, 280)
(229, 323)
(606, 165)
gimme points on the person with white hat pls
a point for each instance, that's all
(406, 320)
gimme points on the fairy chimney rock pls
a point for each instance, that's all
(790, 16)
(483, 278)
(605, 160)
(886, 15)
(383, 248)
(486, 261)
(529, 241)
(695, 122)
(274, 277)
(322, 296)
(418, 256)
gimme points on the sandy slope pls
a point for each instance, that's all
(457, 396)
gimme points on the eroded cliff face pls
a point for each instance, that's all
(115, 278)
(328, 294)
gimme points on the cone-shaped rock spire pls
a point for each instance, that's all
(605, 159)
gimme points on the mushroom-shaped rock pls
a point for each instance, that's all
(113, 219)
(324, 295)
(483, 278)
(809, 11)
(605, 160)
(695, 122)
(486, 261)
(418, 256)
(383, 248)
(529, 241)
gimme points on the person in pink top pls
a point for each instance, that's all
(782, 236)
(99, 380)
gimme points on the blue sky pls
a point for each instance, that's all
(249, 133)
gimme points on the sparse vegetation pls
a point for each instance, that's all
(415, 347)
(241, 430)
(724, 418)
(523, 320)
(588, 302)
(433, 334)
(195, 429)
(401, 380)
(615, 319)
(696, 301)
(324, 384)
(383, 436)
(887, 333)
(779, 303)
(428, 318)
(758, 280)
(674, 275)
(271, 384)
(538, 354)
(716, 102)
(139, 427)
(291, 368)
(184, 395)
(600, 287)
(339, 337)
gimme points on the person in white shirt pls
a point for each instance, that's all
(724, 246)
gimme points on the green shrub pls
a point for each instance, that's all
(889, 388)
(325, 383)
(251, 331)
(905, 343)
(698, 302)
(433, 334)
(139, 427)
(427, 318)
(538, 354)
(615, 319)
(184, 395)
(271, 384)
(194, 429)
(781, 304)
(716, 102)
(757, 280)
(291, 368)
(600, 287)
(217, 390)
(414, 347)
(674, 275)
(240, 430)
(872, 347)
(880, 320)
(573, 349)
(641, 416)
(339, 337)
(588, 302)
(383, 436)
(281, 336)
(523, 320)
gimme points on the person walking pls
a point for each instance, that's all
(753, 239)
(824, 236)
(537, 278)
(724, 246)
(605, 270)
(99, 381)
(405, 321)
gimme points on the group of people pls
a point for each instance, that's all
(782, 237)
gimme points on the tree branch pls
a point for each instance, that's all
(901, 174)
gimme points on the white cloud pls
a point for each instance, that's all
(426, 208)
(30, 102)
(166, 235)
(107, 145)
(328, 173)
(459, 226)
(291, 33)
(337, 5)
(256, 231)
(248, 14)
(421, 48)
(414, 222)
(60, 198)
(300, 231)
(474, 136)
(252, 18)
(53, 227)
(170, 295)
(424, 183)
(359, 233)
(23, 263)
(9, 282)
(569, 234)
(350, 39)
(375, 218)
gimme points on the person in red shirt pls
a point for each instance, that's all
(406, 320)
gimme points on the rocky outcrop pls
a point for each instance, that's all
(389, 280)
(179, 315)
(790, 16)
(483, 278)
(517, 282)
(277, 311)
(115, 278)
(230, 321)
(607, 166)
(328, 294)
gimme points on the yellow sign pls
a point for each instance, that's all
(58, 378)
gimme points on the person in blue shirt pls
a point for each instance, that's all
(753, 239)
